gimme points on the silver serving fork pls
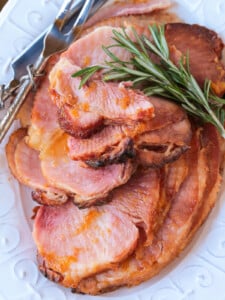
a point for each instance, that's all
(56, 40)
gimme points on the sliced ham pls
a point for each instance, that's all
(140, 200)
(25, 165)
(10, 149)
(44, 124)
(106, 147)
(92, 237)
(83, 126)
(188, 208)
(124, 8)
(112, 102)
(97, 102)
(152, 217)
(87, 51)
(169, 207)
(78, 243)
(157, 147)
(204, 48)
(155, 142)
(90, 185)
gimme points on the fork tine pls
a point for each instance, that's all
(83, 15)
(64, 9)
(69, 10)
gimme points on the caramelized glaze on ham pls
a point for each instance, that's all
(204, 48)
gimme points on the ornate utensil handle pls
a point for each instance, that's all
(24, 87)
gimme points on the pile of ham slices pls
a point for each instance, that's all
(123, 180)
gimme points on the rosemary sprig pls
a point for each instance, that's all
(163, 79)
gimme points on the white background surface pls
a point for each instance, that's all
(200, 271)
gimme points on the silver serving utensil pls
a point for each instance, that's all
(56, 40)
(30, 54)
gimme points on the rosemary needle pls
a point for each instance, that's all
(163, 78)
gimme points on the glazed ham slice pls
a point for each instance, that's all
(156, 142)
(111, 145)
(124, 8)
(112, 103)
(103, 103)
(204, 48)
(78, 243)
(90, 185)
(157, 147)
(140, 200)
(45, 175)
(25, 165)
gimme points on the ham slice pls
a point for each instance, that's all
(87, 51)
(204, 48)
(124, 8)
(77, 243)
(157, 147)
(140, 200)
(156, 142)
(102, 103)
(44, 125)
(112, 103)
(188, 208)
(10, 149)
(45, 175)
(90, 185)
(25, 165)
(106, 147)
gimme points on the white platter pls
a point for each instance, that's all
(198, 273)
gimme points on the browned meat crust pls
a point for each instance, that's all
(118, 154)
(49, 198)
(204, 48)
